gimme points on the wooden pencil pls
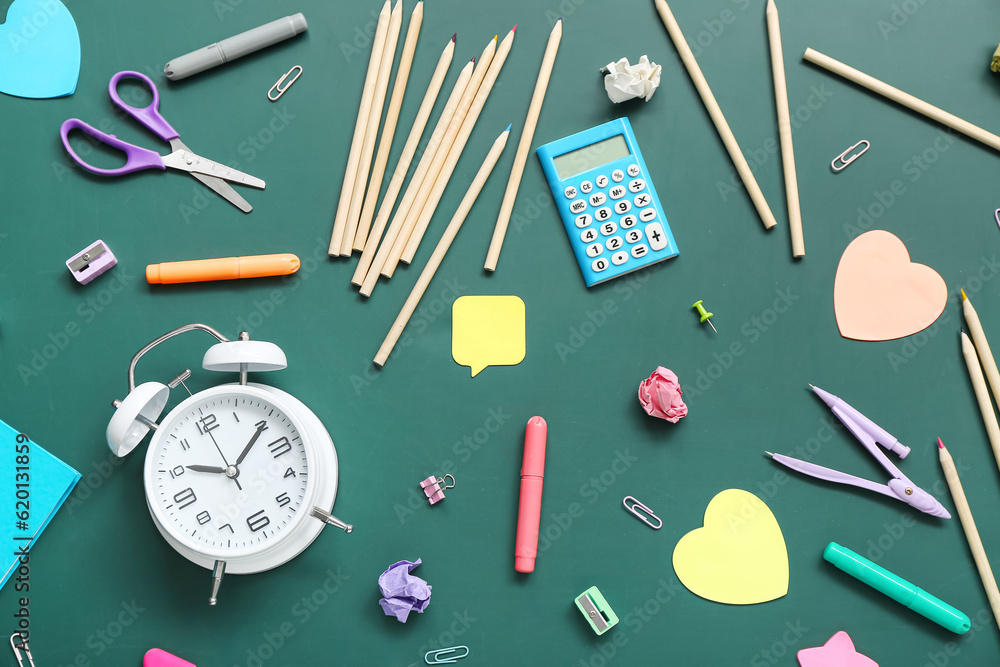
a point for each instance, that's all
(368, 284)
(982, 345)
(982, 395)
(524, 146)
(405, 158)
(455, 154)
(371, 130)
(413, 300)
(715, 112)
(785, 131)
(354, 156)
(969, 527)
(389, 130)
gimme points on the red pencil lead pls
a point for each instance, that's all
(454, 37)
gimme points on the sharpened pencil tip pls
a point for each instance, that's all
(509, 125)
(964, 298)
(472, 59)
(514, 29)
(454, 37)
(940, 444)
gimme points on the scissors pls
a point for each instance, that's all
(212, 174)
(871, 436)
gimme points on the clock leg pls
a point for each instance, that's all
(328, 518)
(217, 572)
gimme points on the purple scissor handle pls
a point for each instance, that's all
(148, 115)
(136, 157)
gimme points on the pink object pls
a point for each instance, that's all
(660, 396)
(529, 509)
(838, 652)
(159, 658)
(433, 488)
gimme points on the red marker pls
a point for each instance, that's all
(529, 512)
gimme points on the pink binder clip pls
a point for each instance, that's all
(433, 489)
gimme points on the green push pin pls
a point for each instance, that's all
(705, 315)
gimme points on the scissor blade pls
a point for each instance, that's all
(188, 161)
(217, 185)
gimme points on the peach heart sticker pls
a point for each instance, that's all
(879, 294)
(739, 556)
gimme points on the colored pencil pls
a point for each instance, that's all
(982, 395)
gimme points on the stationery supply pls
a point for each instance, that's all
(739, 556)
(361, 125)
(487, 331)
(642, 513)
(596, 610)
(705, 315)
(897, 588)
(446, 656)
(284, 83)
(982, 344)
(235, 47)
(624, 81)
(523, 146)
(898, 96)
(879, 294)
(159, 658)
(870, 435)
(982, 394)
(785, 130)
(91, 262)
(434, 487)
(402, 591)
(224, 268)
(391, 119)
(615, 226)
(838, 651)
(529, 508)
(211, 174)
(39, 50)
(18, 644)
(969, 527)
(660, 396)
(43, 480)
(715, 112)
(434, 261)
(840, 162)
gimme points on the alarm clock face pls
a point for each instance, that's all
(227, 473)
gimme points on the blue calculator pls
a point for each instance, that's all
(607, 201)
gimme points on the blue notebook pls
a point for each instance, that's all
(33, 486)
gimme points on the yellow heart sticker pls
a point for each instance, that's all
(739, 556)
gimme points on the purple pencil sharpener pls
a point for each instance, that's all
(91, 262)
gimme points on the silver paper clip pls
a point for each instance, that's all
(435, 657)
(996, 215)
(279, 88)
(841, 161)
(17, 643)
(642, 512)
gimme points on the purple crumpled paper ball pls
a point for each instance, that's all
(402, 592)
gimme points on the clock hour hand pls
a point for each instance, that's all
(261, 427)
(200, 468)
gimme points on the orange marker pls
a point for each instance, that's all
(224, 268)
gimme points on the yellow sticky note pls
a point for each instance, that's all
(487, 331)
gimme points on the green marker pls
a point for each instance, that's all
(897, 588)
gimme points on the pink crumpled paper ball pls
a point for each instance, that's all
(660, 396)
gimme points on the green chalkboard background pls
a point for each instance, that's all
(105, 587)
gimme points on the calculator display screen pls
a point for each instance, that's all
(587, 158)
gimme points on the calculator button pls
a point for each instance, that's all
(657, 239)
(583, 220)
(618, 176)
(629, 221)
(599, 265)
(608, 228)
(570, 192)
(639, 250)
(642, 200)
(619, 258)
(588, 236)
(602, 181)
(633, 170)
(647, 214)
(616, 192)
(586, 187)
(594, 249)
(578, 206)
(597, 199)
(637, 185)
(622, 207)
(614, 243)
(603, 213)
(634, 235)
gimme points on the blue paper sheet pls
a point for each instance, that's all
(39, 50)
(49, 483)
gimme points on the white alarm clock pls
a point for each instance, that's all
(239, 478)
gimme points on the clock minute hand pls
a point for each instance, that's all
(201, 468)
(246, 450)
